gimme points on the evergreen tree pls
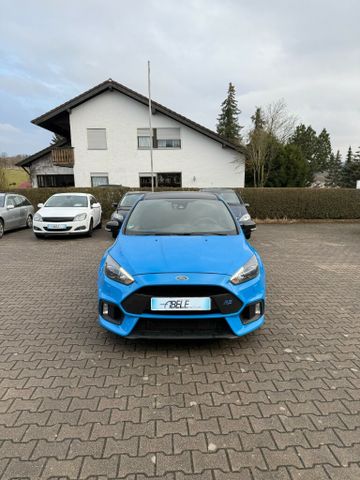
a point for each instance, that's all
(334, 171)
(258, 119)
(315, 148)
(228, 123)
(351, 170)
(289, 168)
(323, 152)
(347, 169)
(306, 139)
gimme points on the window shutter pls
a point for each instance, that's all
(96, 138)
(143, 132)
(168, 133)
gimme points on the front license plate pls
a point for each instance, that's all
(180, 303)
(57, 226)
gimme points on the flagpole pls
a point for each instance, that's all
(150, 130)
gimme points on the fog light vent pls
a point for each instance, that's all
(111, 312)
(105, 309)
(252, 312)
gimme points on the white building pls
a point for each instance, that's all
(107, 141)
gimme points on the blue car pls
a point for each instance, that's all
(181, 267)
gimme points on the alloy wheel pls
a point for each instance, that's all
(29, 221)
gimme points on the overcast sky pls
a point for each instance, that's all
(306, 52)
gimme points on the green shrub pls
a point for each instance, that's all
(306, 203)
(272, 203)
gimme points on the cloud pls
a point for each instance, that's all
(305, 52)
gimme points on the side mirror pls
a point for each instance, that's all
(95, 205)
(40, 205)
(10, 207)
(114, 204)
(113, 226)
(247, 205)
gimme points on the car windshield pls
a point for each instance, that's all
(129, 200)
(67, 201)
(2, 200)
(190, 216)
(230, 197)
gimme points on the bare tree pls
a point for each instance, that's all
(271, 127)
(278, 122)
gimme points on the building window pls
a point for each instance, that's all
(145, 180)
(168, 138)
(98, 179)
(161, 179)
(162, 138)
(55, 181)
(169, 179)
(96, 139)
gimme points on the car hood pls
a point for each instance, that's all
(61, 211)
(175, 254)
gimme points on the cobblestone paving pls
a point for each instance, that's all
(283, 403)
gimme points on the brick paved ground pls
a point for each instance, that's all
(282, 403)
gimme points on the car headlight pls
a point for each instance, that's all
(246, 272)
(244, 218)
(115, 271)
(37, 217)
(80, 217)
(117, 216)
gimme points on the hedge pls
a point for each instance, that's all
(271, 203)
(303, 203)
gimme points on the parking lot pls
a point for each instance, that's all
(281, 403)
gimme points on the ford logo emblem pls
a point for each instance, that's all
(182, 278)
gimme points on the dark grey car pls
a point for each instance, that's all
(15, 212)
(237, 206)
(122, 209)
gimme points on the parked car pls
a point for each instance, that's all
(67, 214)
(122, 209)
(181, 267)
(16, 211)
(237, 206)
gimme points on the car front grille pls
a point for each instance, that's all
(182, 328)
(66, 229)
(222, 301)
(58, 219)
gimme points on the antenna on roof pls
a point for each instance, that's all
(150, 131)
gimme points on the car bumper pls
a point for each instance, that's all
(127, 324)
(71, 228)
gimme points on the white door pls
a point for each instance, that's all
(96, 210)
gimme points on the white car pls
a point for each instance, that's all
(67, 214)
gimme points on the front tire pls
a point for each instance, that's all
(2, 228)
(29, 221)
(114, 233)
(91, 228)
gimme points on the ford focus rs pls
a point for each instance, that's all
(181, 267)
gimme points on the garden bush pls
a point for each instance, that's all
(303, 203)
(265, 203)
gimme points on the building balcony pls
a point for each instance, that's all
(63, 157)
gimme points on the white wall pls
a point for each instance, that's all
(199, 156)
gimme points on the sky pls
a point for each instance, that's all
(305, 52)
